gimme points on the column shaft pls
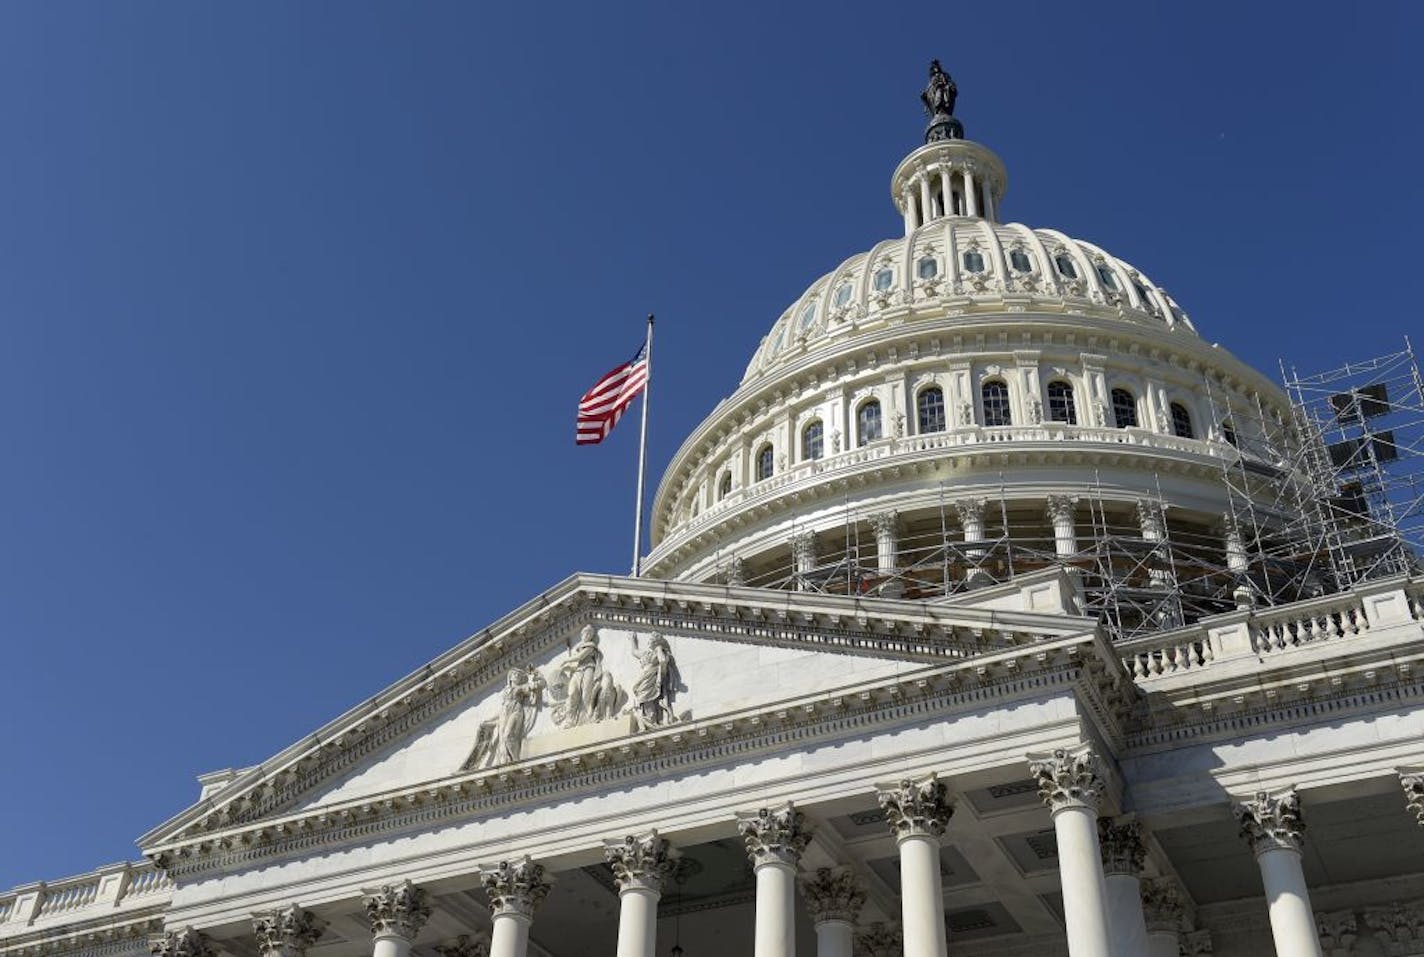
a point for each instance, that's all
(1129, 928)
(1163, 943)
(921, 896)
(775, 909)
(389, 945)
(835, 938)
(1292, 921)
(1084, 888)
(946, 190)
(970, 200)
(637, 922)
(926, 207)
(510, 935)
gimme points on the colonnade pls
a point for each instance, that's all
(1109, 909)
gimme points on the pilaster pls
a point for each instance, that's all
(880, 939)
(1120, 842)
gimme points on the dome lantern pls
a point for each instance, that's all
(949, 175)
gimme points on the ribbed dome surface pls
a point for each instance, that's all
(960, 260)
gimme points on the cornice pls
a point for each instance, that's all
(1081, 664)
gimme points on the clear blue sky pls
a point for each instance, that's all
(296, 301)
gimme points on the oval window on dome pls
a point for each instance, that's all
(883, 279)
(1066, 269)
(927, 268)
(808, 316)
(842, 296)
(1020, 261)
(974, 261)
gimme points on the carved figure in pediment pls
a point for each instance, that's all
(501, 739)
(587, 691)
(655, 688)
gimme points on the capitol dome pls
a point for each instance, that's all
(969, 400)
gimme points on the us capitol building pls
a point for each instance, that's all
(994, 612)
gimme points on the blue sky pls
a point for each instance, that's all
(296, 301)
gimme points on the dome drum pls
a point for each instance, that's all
(948, 178)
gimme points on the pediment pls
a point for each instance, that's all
(594, 664)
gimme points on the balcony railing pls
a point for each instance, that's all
(137, 884)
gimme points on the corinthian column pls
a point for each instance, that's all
(1065, 533)
(1271, 824)
(882, 940)
(181, 943)
(918, 813)
(887, 546)
(1413, 785)
(803, 558)
(971, 519)
(1071, 785)
(515, 890)
(1123, 856)
(834, 898)
(640, 866)
(1162, 907)
(396, 913)
(775, 840)
(287, 932)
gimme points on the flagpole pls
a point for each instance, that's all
(643, 457)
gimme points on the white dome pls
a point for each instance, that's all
(965, 263)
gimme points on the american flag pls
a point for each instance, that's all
(602, 406)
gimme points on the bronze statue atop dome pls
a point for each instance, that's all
(939, 97)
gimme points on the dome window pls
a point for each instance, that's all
(1020, 261)
(724, 486)
(929, 406)
(1228, 432)
(927, 268)
(813, 444)
(867, 423)
(842, 298)
(1061, 407)
(1144, 297)
(1066, 269)
(808, 316)
(1182, 422)
(1124, 409)
(883, 280)
(1106, 277)
(995, 394)
(974, 261)
(765, 463)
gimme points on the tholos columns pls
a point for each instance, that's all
(1413, 785)
(971, 519)
(182, 943)
(286, 932)
(775, 840)
(1123, 856)
(1071, 785)
(887, 547)
(1272, 825)
(396, 913)
(515, 890)
(641, 863)
(803, 558)
(918, 813)
(1163, 909)
(1065, 533)
(1236, 561)
(834, 898)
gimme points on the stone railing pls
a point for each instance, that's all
(1264, 633)
(102, 891)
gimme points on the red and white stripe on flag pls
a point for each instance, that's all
(602, 406)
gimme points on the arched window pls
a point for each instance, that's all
(724, 486)
(930, 408)
(842, 295)
(927, 268)
(867, 423)
(1124, 406)
(996, 403)
(883, 279)
(1228, 432)
(1064, 262)
(1020, 261)
(1106, 277)
(1182, 422)
(812, 444)
(1061, 407)
(765, 462)
(973, 261)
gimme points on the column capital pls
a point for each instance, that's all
(1413, 785)
(884, 523)
(775, 835)
(1338, 931)
(1151, 518)
(1120, 841)
(833, 893)
(881, 939)
(286, 932)
(515, 887)
(1162, 905)
(1069, 779)
(397, 910)
(1060, 508)
(187, 942)
(803, 548)
(1196, 943)
(971, 510)
(465, 946)
(1271, 822)
(917, 808)
(641, 861)
(1396, 925)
